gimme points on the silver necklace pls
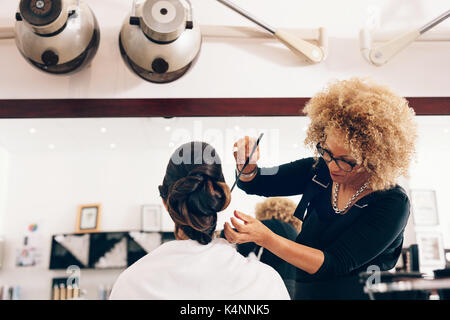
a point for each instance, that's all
(335, 195)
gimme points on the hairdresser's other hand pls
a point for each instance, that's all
(252, 230)
(241, 151)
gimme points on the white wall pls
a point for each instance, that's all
(4, 169)
(248, 68)
(46, 189)
(431, 172)
(45, 186)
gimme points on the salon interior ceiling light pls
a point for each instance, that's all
(161, 121)
(383, 53)
(160, 40)
(299, 46)
(56, 36)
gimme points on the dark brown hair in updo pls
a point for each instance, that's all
(194, 190)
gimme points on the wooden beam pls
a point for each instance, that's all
(182, 107)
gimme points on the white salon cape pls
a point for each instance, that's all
(188, 270)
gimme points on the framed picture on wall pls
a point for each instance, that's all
(431, 249)
(447, 258)
(424, 208)
(151, 217)
(88, 218)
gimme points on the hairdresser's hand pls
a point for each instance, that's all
(252, 230)
(241, 151)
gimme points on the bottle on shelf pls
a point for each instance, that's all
(56, 295)
(62, 291)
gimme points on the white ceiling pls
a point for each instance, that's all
(88, 134)
(146, 134)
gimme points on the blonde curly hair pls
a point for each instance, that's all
(377, 125)
(278, 208)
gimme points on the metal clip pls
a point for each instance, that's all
(319, 183)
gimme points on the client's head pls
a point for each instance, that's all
(194, 191)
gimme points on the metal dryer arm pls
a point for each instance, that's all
(299, 46)
(383, 53)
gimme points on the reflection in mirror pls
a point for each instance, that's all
(50, 166)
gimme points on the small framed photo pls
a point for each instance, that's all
(447, 258)
(431, 249)
(88, 219)
(151, 217)
(424, 208)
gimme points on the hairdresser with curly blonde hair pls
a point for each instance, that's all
(353, 211)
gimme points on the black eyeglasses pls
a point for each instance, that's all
(344, 165)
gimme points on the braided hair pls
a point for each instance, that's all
(194, 190)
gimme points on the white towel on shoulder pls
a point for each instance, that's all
(185, 269)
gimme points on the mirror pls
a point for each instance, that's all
(50, 166)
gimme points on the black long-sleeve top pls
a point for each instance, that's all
(369, 233)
